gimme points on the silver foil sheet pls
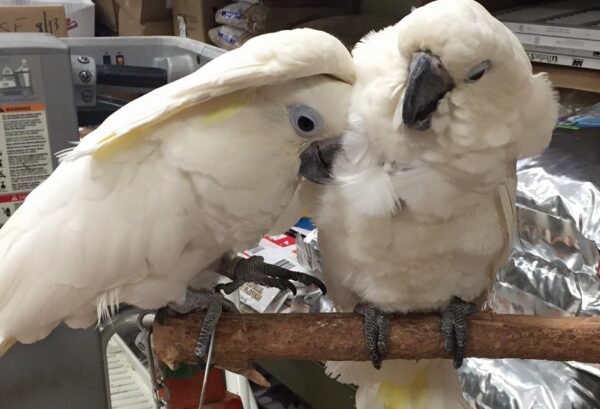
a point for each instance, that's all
(553, 270)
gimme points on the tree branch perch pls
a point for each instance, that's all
(339, 337)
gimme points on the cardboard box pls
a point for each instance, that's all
(108, 13)
(40, 19)
(81, 16)
(193, 18)
(131, 27)
(143, 11)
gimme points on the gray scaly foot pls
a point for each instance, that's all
(376, 327)
(255, 270)
(454, 328)
(214, 304)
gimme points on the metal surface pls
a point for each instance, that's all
(123, 323)
(51, 83)
(553, 270)
(65, 370)
(178, 56)
(69, 67)
(129, 384)
(154, 371)
(136, 65)
(205, 377)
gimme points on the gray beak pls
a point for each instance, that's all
(317, 160)
(428, 82)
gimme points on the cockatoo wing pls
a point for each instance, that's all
(264, 60)
(133, 213)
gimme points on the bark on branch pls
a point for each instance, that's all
(339, 337)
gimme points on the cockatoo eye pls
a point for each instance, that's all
(477, 72)
(305, 124)
(305, 120)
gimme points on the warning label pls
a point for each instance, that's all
(25, 158)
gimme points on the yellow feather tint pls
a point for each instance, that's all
(112, 144)
(217, 110)
(6, 344)
(410, 396)
(227, 106)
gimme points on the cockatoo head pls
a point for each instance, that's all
(310, 114)
(303, 80)
(447, 80)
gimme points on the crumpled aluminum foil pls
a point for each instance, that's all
(308, 254)
(309, 257)
(553, 270)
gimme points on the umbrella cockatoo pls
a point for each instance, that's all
(421, 211)
(171, 183)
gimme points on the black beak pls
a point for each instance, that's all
(428, 82)
(316, 161)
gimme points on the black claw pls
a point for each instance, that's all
(255, 270)
(376, 327)
(228, 288)
(284, 284)
(454, 325)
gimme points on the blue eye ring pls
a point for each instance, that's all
(478, 71)
(305, 120)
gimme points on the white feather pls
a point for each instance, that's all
(151, 201)
(455, 182)
(364, 179)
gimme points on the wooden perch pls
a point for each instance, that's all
(339, 337)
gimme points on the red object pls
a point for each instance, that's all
(185, 392)
(13, 197)
(231, 402)
(283, 241)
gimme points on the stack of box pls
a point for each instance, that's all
(136, 17)
(565, 32)
(229, 24)
(145, 17)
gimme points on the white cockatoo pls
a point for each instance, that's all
(421, 211)
(157, 195)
